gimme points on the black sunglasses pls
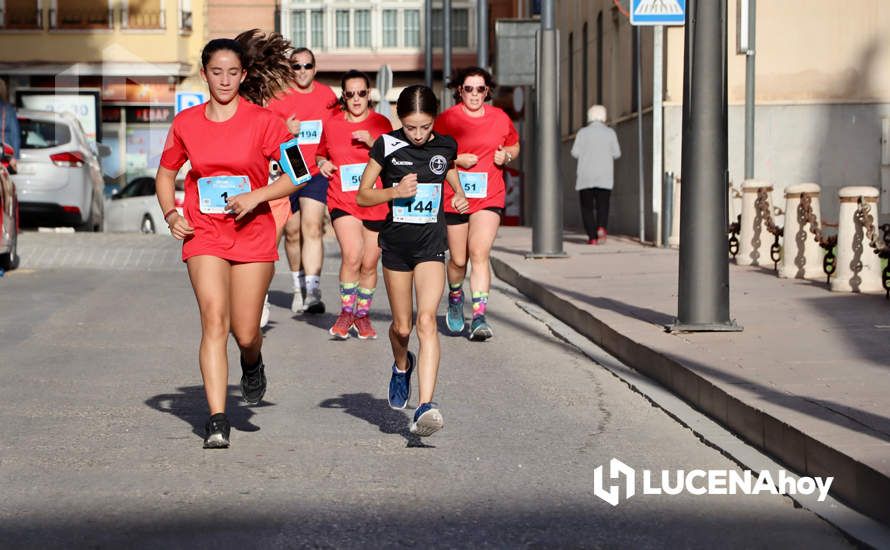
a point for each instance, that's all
(307, 66)
(360, 93)
(479, 89)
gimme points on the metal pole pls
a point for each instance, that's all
(639, 91)
(703, 301)
(667, 210)
(446, 58)
(428, 42)
(482, 33)
(657, 133)
(547, 226)
(749, 92)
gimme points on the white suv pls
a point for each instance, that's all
(59, 179)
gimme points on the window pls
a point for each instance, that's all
(21, 14)
(585, 73)
(362, 28)
(40, 134)
(571, 87)
(143, 14)
(342, 28)
(298, 28)
(307, 28)
(82, 14)
(185, 15)
(412, 28)
(460, 28)
(390, 28)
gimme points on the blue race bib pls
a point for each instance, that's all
(422, 207)
(475, 184)
(351, 176)
(310, 132)
(213, 192)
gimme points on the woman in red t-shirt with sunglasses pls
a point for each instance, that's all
(486, 142)
(342, 157)
(227, 228)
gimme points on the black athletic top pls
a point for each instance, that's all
(430, 161)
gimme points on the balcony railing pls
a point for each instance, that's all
(143, 19)
(22, 18)
(67, 18)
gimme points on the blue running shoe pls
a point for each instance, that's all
(454, 317)
(400, 385)
(479, 329)
(427, 420)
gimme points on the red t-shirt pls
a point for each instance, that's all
(313, 110)
(348, 155)
(240, 146)
(479, 136)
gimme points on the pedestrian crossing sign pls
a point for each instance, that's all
(657, 12)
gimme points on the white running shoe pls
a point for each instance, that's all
(297, 304)
(264, 317)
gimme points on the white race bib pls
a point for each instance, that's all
(475, 184)
(213, 192)
(351, 176)
(421, 208)
(310, 132)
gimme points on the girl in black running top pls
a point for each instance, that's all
(414, 163)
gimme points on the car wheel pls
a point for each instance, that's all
(10, 261)
(148, 225)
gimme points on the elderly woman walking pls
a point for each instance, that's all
(596, 148)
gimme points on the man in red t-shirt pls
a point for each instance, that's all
(306, 108)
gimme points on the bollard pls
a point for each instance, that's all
(858, 267)
(802, 256)
(754, 239)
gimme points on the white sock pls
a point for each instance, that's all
(267, 300)
(298, 278)
(312, 282)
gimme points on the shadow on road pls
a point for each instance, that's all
(190, 405)
(377, 412)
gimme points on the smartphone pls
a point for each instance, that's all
(293, 163)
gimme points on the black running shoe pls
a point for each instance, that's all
(217, 432)
(253, 381)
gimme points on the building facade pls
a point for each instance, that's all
(822, 98)
(116, 63)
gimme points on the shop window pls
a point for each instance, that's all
(21, 14)
(81, 14)
(460, 28)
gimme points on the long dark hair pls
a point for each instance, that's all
(463, 74)
(265, 57)
(350, 75)
(417, 99)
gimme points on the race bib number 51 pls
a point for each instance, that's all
(213, 192)
(421, 208)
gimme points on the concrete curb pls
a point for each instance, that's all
(859, 485)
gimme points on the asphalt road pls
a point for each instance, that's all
(102, 412)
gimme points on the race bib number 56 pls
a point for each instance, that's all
(421, 208)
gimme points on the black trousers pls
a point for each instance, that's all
(594, 209)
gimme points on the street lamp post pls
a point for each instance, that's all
(482, 33)
(428, 42)
(547, 223)
(703, 301)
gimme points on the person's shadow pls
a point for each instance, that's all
(190, 405)
(376, 412)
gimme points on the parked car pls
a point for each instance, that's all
(135, 207)
(59, 177)
(9, 213)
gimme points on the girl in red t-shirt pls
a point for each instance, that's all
(342, 157)
(486, 142)
(227, 228)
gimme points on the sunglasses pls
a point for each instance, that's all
(478, 89)
(360, 93)
(307, 66)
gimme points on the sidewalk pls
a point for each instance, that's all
(807, 381)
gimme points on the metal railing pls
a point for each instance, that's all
(143, 19)
(21, 18)
(67, 18)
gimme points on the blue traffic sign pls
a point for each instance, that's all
(657, 12)
(184, 100)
